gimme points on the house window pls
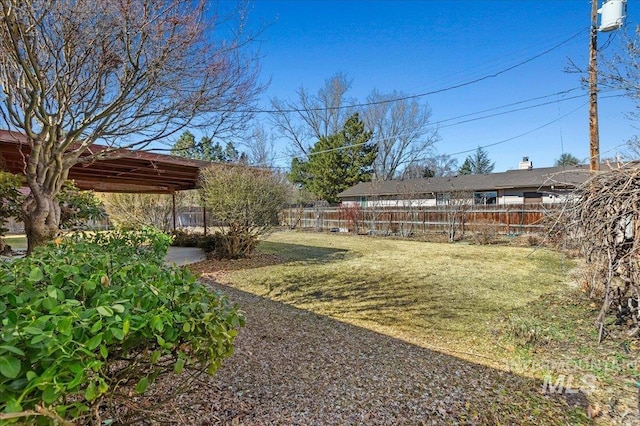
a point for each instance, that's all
(363, 202)
(442, 198)
(485, 198)
(532, 195)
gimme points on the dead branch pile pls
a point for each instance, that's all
(606, 217)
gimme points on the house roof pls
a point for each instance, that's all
(130, 171)
(543, 178)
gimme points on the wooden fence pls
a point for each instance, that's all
(509, 219)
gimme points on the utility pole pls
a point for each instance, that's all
(594, 133)
(613, 13)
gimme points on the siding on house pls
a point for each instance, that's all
(543, 185)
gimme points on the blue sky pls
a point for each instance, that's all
(423, 46)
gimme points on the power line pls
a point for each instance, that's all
(419, 95)
(509, 111)
(511, 138)
(522, 134)
(433, 127)
(532, 130)
(562, 92)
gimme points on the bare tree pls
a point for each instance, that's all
(401, 128)
(133, 211)
(621, 72)
(411, 199)
(442, 165)
(459, 202)
(434, 166)
(313, 117)
(604, 215)
(260, 148)
(120, 73)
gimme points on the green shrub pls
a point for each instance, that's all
(232, 244)
(10, 201)
(185, 239)
(77, 207)
(91, 320)
(208, 243)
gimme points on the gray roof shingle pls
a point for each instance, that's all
(546, 177)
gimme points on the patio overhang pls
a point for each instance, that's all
(129, 171)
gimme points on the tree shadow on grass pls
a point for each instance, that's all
(303, 253)
(384, 296)
(271, 253)
(293, 366)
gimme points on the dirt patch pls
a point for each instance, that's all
(215, 268)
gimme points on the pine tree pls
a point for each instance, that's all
(477, 163)
(336, 162)
(567, 159)
(465, 169)
(206, 150)
(185, 146)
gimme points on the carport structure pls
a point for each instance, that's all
(126, 171)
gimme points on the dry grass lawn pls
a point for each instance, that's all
(435, 295)
(17, 242)
(353, 330)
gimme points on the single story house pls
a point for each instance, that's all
(522, 186)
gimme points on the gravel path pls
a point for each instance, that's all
(292, 367)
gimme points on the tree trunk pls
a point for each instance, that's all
(41, 219)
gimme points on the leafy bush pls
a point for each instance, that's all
(10, 199)
(77, 207)
(93, 319)
(185, 239)
(209, 243)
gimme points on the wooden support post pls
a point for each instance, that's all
(204, 218)
(173, 204)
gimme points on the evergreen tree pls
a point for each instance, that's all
(336, 162)
(477, 163)
(185, 146)
(466, 168)
(567, 159)
(206, 150)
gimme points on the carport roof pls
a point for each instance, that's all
(131, 171)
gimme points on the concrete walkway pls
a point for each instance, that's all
(184, 255)
(176, 255)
